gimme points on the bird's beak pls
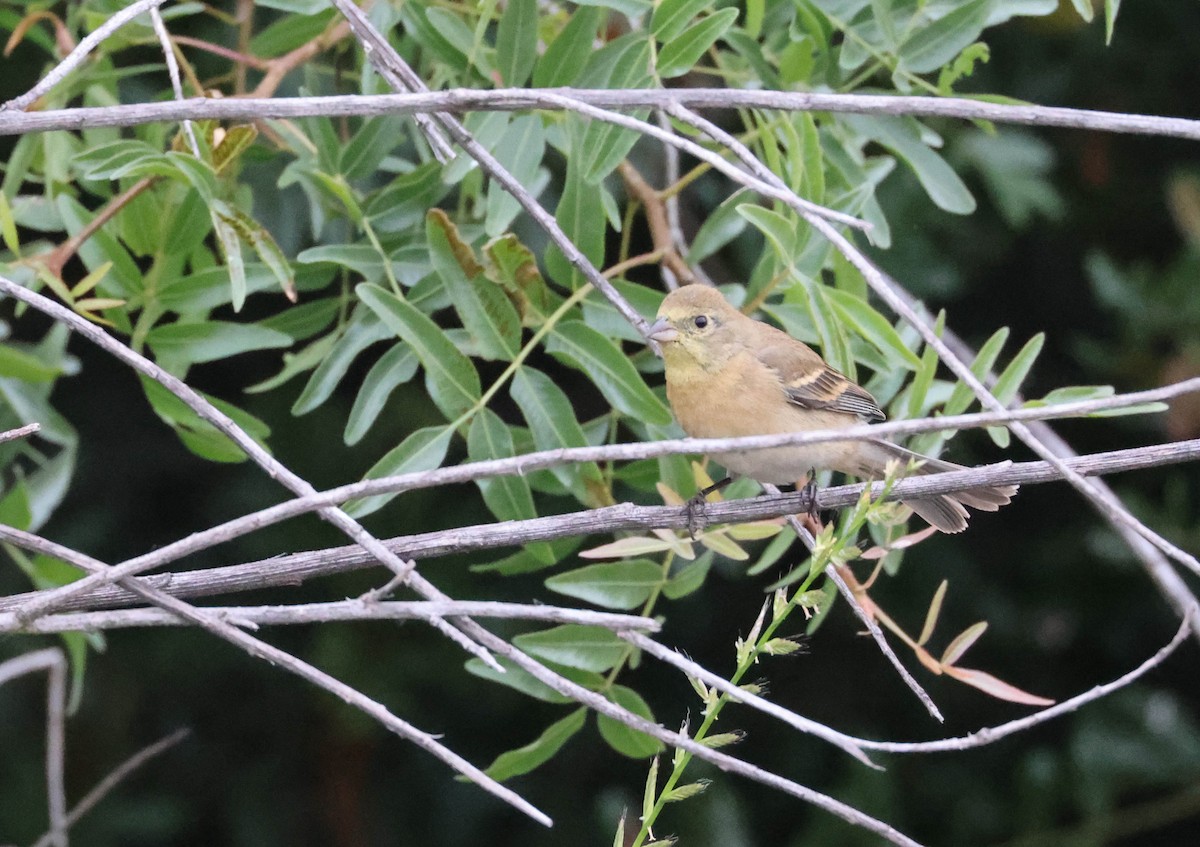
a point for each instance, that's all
(662, 331)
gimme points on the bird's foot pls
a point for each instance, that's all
(697, 507)
(809, 491)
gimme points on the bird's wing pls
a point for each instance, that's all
(811, 384)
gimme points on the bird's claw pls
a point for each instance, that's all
(696, 512)
(697, 507)
(810, 494)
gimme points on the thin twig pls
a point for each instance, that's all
(220, 50)
(345, 610)
(164, 38)
(105, 786)
(674, 269)
(397, 72)
(20, 432)
(517, 99)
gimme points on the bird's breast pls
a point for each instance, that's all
(747, 398)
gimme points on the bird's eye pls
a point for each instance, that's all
(701, 321)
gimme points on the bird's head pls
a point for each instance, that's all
(697, 323)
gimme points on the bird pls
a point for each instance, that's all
(728, 374)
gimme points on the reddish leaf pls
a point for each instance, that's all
(998, 688)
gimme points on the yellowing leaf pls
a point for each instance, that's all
(963, 642)
(636, 545)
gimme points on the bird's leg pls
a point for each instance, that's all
(696, 520)
(809, 490)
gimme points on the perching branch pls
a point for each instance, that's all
(296, 568)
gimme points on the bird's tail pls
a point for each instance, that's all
(947, 512)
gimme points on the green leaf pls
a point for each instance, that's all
(722, 226)
(1111, 8)
(508, 497)
(395, 367)
(579, 214)
(423, 450)
(272, 256)
(311, 18)
(8, 227)
(363, 330)
(450, 376)
(872, 327)
(486, 312)
(680, 54)
(687, 791)
(516, 41)
(458, 35)
(614, 585)
(577, 344)
(520, 150)
(197, 434)
(601, 315)
(587, 648)
(14, 507)
(521, 680)
(539, 751)
(552, 423)
(985, 360)
(305, 320)
(671, 17)
(923, 379)
(361, 157)
(622, 63)
(115, 160)
(513, 266)
(210, 341)
(779, 230)
(903, 137)
(24, 366)
(566, 55)
(1085, 10)
(523, 561)
(623, 739)
(689, 578)
(1009, 382)
(401, 204)
(231, 249)
(937, 44)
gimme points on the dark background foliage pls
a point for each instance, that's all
(271, 761)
